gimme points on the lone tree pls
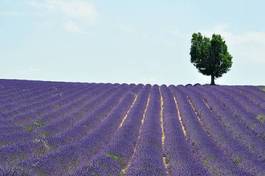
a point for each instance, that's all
(210, 56)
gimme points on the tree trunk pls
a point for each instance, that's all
(212, 80)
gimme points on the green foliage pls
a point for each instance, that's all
(36, 124)
(113, 156)
(29, 128)
(261, 118)
(210, 56)
(44, 134)
(117, 158)
(237, 160)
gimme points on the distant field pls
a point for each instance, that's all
(78, 129)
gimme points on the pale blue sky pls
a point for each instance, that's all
(139, 41)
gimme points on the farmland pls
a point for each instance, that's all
(100, 129)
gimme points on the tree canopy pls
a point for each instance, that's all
(210, 56)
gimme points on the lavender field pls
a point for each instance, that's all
(96, 129)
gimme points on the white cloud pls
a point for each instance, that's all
(73, 13)
(71, 26)
(74, 9)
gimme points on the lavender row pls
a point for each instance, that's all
(147, 157)
(52, 109)
(237, 153)
(31, 125)
(38, 146)
(35, 92)
(86, 105)
(70, 156)
(38, 110)
(204, 147)
(40, 130)
(254, 94)
(177, 151)
(114, 158)
(17, 94)
(91, 120)
(243, 101)
(255, 91)
(38, 101)
(248, 112)
(237, 128)
(30, 109)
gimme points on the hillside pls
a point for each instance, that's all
(55, 128)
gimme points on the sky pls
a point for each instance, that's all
(139, 41)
